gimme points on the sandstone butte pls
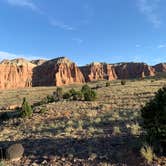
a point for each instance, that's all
(21, 73)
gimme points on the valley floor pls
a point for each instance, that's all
(105, 132)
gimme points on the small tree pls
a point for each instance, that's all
(26, 110)
(108, 84)
(88, 93)
(123, 82)
(154, 119)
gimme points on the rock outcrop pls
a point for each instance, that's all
(57, 72)
(133, 70)
(16, 73)
(98, 71)
(21, 73)
(161, 67)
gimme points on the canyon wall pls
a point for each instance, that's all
(21, 73)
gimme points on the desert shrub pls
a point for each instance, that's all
(77, 95)
(123, 82)
(85, 89)
(147, 153)
(58, 94)
(26, 110)
(88, 93)
(154, 120)
(67, 95)
(108, 84)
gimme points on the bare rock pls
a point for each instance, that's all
(133, 70)
(98, 71)
(16, 73)
(14, 152)
(57, 72)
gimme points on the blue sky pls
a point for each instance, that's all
(84, 30)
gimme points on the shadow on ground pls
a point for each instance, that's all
(113, 150)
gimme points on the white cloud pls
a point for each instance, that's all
(61, 25)
(23, 3)
(149, 9)
(7, 55)
(77, 40)
(161, 46)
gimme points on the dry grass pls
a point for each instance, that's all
(103, 132)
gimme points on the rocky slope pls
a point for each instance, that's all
(21, 73)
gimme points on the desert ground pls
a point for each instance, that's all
(105, 132)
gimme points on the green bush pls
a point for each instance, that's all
(123, 82)
(108, 84)
(67, 95)
(154, 120)
(26, 110)
(85, 89)
(46, 100)
(77, 95)
(88, 93)
(72, 94)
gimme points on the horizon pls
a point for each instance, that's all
(109, 31)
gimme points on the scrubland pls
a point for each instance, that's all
(105, 132)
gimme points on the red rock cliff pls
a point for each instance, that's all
(60, 71)
(16, 73)
(98, 71)
(133, 70)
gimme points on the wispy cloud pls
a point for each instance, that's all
(149, 9)
(161, 46)
(24, 3)
(7, 55)
(61, 25)
(77, 40)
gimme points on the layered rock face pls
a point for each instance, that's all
(133, 70)
(20, 73)
(161, 67)
(98, 71)
(16, 73)
(57, 72)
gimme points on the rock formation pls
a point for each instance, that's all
(161, 67)
(57, 72)
(21, 73)
(133, 70)
(16, 73)
(98, 71)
